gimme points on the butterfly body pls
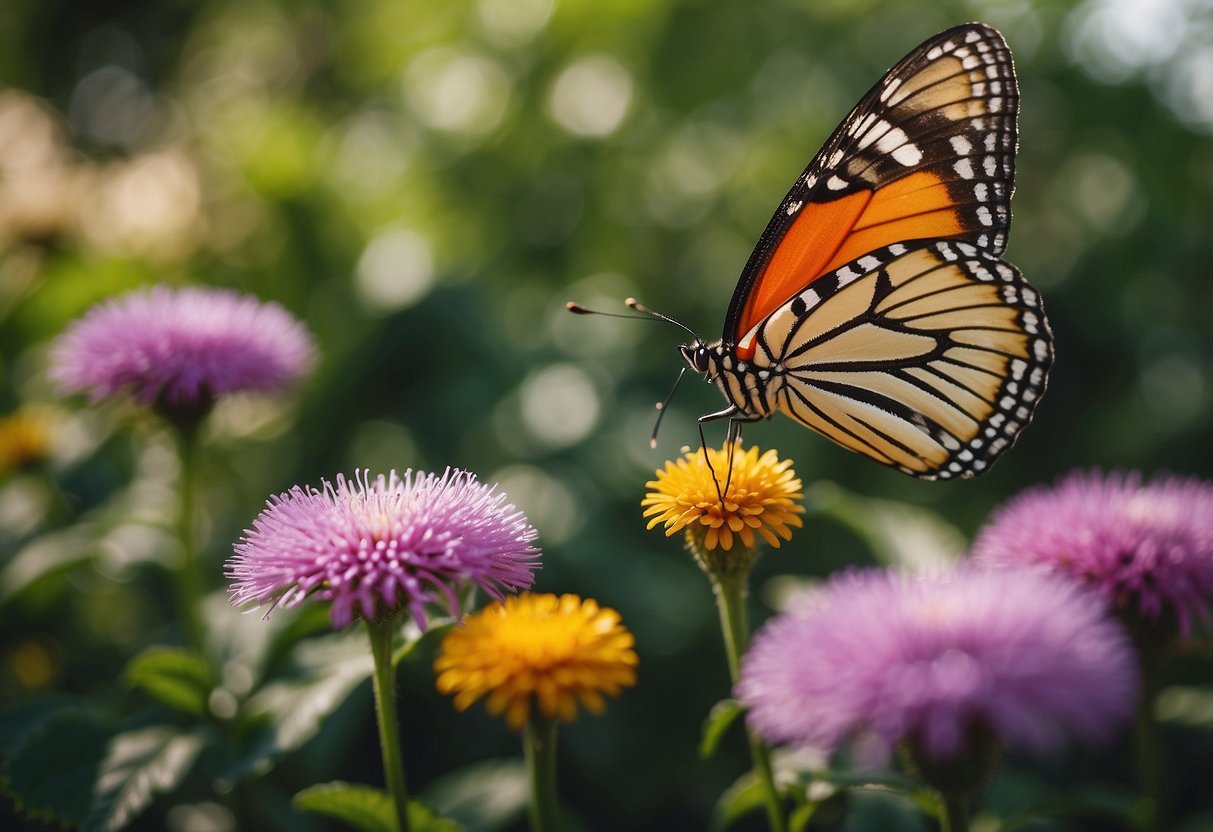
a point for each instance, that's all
(876, 308)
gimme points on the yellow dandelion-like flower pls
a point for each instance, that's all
(554, 651)
(761, 500)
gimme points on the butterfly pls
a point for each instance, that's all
(876, 308)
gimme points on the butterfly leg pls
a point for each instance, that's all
(737, 417)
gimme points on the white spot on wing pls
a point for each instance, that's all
(907, 155)
(846, 275)
(835, 184)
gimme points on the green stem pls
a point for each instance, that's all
(730, 601)
(189, 576)
(380, 633)
(955, 812)
(1149, 748)
(539, 745)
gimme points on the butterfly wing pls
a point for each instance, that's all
(928, 357)
(928, 153)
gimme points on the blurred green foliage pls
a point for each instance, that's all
(426, 184)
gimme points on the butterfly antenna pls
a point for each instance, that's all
(636, 305)
(646, 314)
(663, 405)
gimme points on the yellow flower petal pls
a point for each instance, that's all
(540, 651)
(763, 497)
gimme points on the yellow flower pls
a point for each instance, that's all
(24, 438)
(762, 497)
(555, 651)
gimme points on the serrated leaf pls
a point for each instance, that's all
(18, 720)
(174, 676)
(722, 715)
(286, 713)
(367, 808)
(140, 765)
(484, 796)
(52, 771)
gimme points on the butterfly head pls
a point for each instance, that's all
(697, 355)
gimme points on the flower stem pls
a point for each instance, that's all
(730, 601)
(380, 633)
(955, 812)
(189, 577)
(1149, 748)
(539, 745)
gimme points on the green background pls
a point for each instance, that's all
(427, 183)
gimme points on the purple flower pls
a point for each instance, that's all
(1146, 548)
(1018, 656)
(374, 546)
(181, 348)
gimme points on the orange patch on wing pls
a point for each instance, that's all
(801, 255)
(827, 235)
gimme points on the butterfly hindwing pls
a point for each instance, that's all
(928, 358)
(928, 153)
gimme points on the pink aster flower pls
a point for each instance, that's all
(376, 546)
(1014, 656)
(180, 349)
(1147, 548)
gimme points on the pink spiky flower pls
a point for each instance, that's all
(1146, 547)
(951, 665)
(374, 546)
(180, 349)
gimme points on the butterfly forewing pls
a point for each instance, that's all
(927, 154)
(928, 358)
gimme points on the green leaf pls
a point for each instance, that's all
(362, 807)
(800, 817)
(288, 712)
(18, 720)
(1188, 706)
(879, 810)
(367, 808)
(177, 677)
(140, 765)
(721, 717)
(52, 770)
(49, 554)
(484, 796)
(250, 642)
(413, 637)
(850, 779)
(899, 534)
(741, 798)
